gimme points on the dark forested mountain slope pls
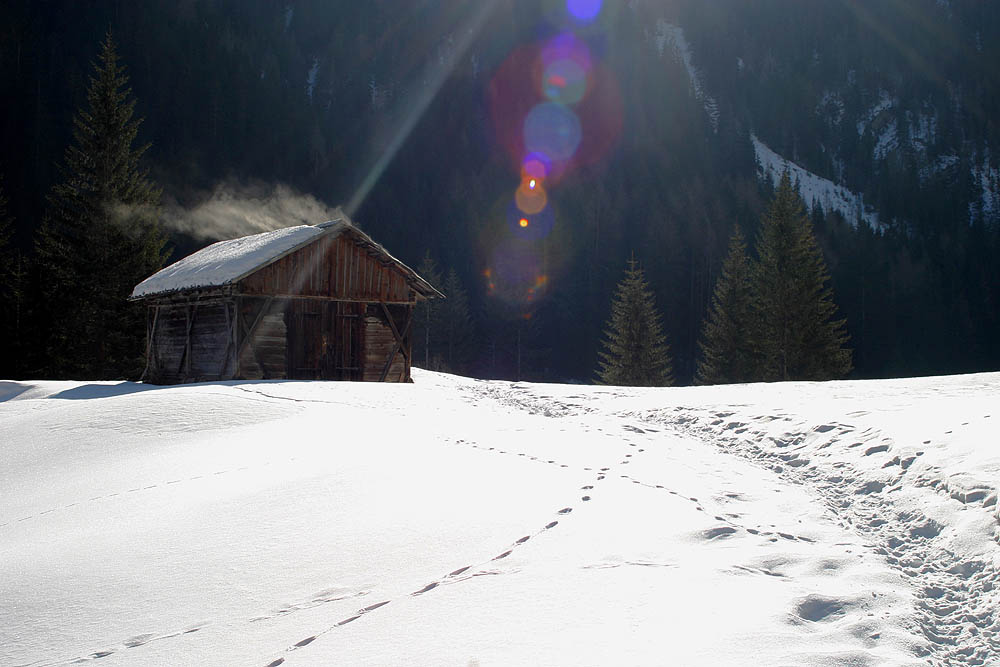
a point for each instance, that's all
(895, 100)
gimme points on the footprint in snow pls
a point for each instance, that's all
(429, 587)
(718, 532)
(138, 640)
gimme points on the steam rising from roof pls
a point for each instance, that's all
(233, 210)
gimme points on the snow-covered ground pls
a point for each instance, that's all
(463, 522)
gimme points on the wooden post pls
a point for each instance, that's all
(150, 333)
(235, 339)
(185, 364)
(229, 344)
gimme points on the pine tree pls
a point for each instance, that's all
(797, 335)
(100, 236)
(11, 284)
(5, 223)
(636, 353)
(456, 324)
(726, 344)
(427, 314)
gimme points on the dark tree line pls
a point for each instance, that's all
(772, 318)
(775, 318)
(68, 316)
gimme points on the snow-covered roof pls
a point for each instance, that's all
(228, 262)
(225, 262)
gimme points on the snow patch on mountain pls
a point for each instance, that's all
(311, 78)
(831, 106)
(923, 130)
(813, 188)
(885, 103)
(883, 127)
(671, 35)
(887, 140)
(988, 180)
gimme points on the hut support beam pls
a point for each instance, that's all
(399, 345)
(150, 333)
(185, 366)
(235, 337)
(248, 334)
(229, 344)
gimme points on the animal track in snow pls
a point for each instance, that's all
(455, 576)
(130, 643)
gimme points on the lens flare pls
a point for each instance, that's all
(516, 275)
(511, 94)
(601, 116)
(566, 46)
(531, 199)
(564, 81)
(584, 11)
(552, 129)
(530, 226)
(536, 166)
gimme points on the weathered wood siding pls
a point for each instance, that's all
(190, 343)
(334, 268)
(380, 343)
(264, 352)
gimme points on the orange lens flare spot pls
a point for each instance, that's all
(531, 199)
(523, 222)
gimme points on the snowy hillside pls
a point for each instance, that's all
(830, 196)
(672, 35)
(814, 189)
(463, 522)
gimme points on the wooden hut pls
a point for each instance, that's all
(320, 302)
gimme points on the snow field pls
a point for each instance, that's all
(465, 522)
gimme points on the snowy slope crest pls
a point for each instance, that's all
(455, 522)
(814, 189)
(672, 36)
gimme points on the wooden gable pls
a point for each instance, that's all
(337, 268)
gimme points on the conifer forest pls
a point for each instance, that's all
(663, 192)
